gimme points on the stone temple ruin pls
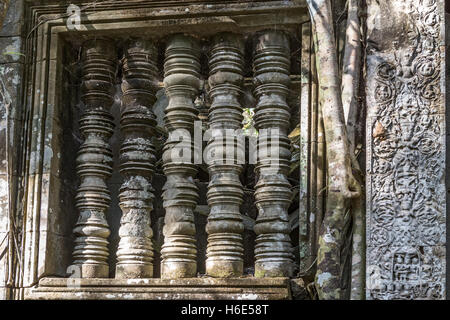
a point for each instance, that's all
(112, 115)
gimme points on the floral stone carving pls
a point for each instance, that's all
(406, 159)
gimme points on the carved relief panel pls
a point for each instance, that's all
(406, 226)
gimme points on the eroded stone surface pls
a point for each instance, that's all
(10, 50)
(406, 151)
(12, 22)
(10, 89)
(135, 252)
(162, 289)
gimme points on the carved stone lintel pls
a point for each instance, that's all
(94, 160)
(273, 249)
(137, 160)
(225, 227)
(180, 194)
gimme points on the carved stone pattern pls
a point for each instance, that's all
(137, 160)
(94, 160)
(273, 249)
(180, 194)
(406, 225)
(225, 193)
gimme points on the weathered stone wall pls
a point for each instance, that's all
(405, 155)
(406, 195)
(49, 188)
(11, 67)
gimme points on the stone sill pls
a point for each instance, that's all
(161, 289)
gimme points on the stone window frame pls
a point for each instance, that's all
(46, 33)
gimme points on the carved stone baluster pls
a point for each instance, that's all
(137, 160)
(94, 161)
(225, 192)
(273, 249)
(181, 82)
